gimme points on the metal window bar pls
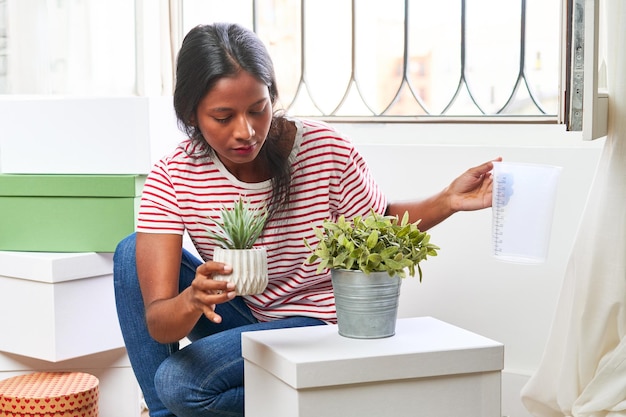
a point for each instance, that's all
(353, 82)
(521, 75)
(406, 82)
(302, 83)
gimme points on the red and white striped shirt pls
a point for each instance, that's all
(329, 178)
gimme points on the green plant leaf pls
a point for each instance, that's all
(373, 243)
(240, 226)
(372, 239)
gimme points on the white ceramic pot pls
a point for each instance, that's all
(249, 269)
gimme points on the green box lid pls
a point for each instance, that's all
(71, 185)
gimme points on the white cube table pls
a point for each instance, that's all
(428, 368)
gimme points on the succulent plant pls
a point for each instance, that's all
(240, 226)
(371, 244)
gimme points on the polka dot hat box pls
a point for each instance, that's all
(50, 394)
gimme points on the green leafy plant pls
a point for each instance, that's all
(373, 243)
(240, 226)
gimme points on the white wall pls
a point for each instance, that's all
(465, 285)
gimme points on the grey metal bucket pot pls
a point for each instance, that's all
(367, 305)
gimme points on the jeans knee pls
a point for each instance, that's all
(169, 387)
(195, 382)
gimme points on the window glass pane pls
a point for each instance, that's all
(379, 51)
(327, 52)
(196, 12)
(492, 52)
(279, 26)
(435, 51)
(543, 52)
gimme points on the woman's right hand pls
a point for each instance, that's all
(170, 314)
(206, 292)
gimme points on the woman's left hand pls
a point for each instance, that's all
(472, 190)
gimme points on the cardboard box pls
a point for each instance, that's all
(57, 306)
(428, 368)
(97, 135)
(67, 213)
(53, 394)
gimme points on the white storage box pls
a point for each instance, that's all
(57, 306)
(71, 135)
(428, 368)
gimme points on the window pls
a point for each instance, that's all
(357, 60)
(370, 58)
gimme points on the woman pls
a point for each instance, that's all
(238, 145)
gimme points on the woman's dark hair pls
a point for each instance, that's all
(212, 52)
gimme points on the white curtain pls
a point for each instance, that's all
(158, 37)
(583, 370)
(92, 48)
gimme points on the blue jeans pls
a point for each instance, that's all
(206, 377)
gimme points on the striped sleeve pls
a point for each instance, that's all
(159, 211)
(359, 192)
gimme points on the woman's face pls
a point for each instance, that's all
(234, 118)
